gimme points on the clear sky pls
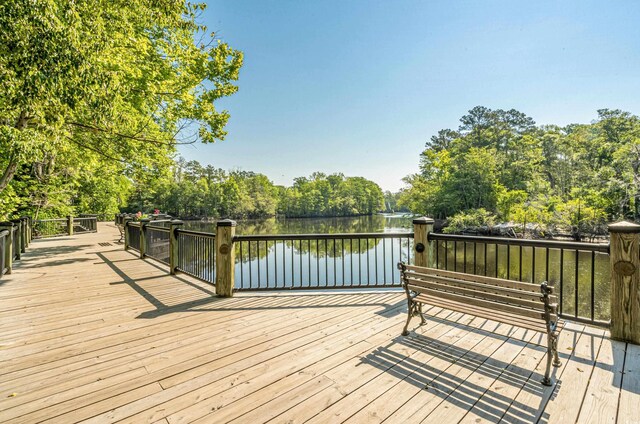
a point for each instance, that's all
(358, 87)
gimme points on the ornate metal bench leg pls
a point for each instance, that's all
(410, 313)
(422, 320)
(554, 345)
(547, 380)
(552, 336)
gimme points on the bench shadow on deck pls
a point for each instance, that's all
(167, 349)
(451, 388)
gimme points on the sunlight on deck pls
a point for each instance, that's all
(91, 332)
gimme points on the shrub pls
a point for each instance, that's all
(471, 219)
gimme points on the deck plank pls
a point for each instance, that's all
(382, 368)
(227, 357)
(501, 393)
(602, 395)
(457, 403)
(271, 408)
(630, 394)
(188, 344)
(565, 406)
(530, 402)
(188, 387)
(93, 333)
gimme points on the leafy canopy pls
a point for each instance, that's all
(498, 165)
(113, 81)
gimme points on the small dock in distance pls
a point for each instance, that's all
(89, 332)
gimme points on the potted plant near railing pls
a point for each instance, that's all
(139, 215)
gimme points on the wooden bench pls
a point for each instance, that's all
(526, 305)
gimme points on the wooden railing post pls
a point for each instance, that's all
(18, 234)
(625, 281)
(70, 225)
(173, 245)
(28, 229)
(8, 248)
(225, 257)
(143, 237)
(423, 249)
(23, 234)
(92, 221)
(125, 224)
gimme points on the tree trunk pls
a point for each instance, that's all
(11, 168)
(8, 173)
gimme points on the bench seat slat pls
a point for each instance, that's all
(473, 295)
(478, 290)
(533, 295)
(516, 310)
(468, 307)
(491, 314)
(475, 278)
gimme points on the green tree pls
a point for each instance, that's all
(573, 177)
(122, 82)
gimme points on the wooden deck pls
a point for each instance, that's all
(90, 332)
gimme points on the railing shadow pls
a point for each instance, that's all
(163, 268)
(488, 404)
(49, 252)
(159, 305)
(53, 263)
(212, 303)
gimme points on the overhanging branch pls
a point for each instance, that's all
(98, 151)
(129, 137)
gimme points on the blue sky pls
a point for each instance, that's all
(358, 86)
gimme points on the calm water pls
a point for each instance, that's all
(359, 224)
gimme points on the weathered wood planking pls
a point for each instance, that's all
(90, 332)
(630, 393)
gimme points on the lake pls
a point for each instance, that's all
(352, 224)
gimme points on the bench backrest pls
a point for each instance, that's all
(519, 298)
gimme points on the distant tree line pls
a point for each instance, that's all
(192, 190)
(332, 195)
(498, 165)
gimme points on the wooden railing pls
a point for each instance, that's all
(157, 243)
(580, 272)
(132, 237)
(85, 224)
(274, 262)
(621, 287)
(15, 237)
(17, 241)
(4, 237)
(195, 254)
(320, 261)
(44, 228)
